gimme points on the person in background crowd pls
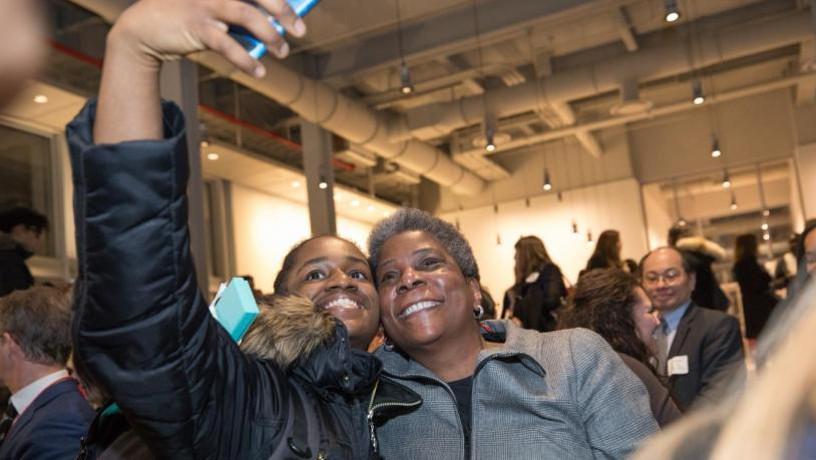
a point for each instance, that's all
(22, 44)
(785, 268)
(758, 299)
(774, 417)
(539, 288)
(630, 266)
(46, 415)
(607, 252)
(700, 253)
(496, 391)
(143, 331)
(612, 303)
(806, 249)
(488, 303)
(22, 232)
(698, 349)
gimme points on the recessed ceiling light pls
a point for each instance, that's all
(371, 208)
(295, 184)
(212, 156)
(355, 203)
(41, 99)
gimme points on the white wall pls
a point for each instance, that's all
(806, 160)
(614, 205)
(265, 227)
(658, 216)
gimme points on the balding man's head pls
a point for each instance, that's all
(667, 278)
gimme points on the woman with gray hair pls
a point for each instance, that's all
(491, 389)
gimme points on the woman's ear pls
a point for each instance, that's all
(476, 289)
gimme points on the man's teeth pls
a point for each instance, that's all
(419, 306)
(342, 302)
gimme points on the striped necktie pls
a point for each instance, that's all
(8, 418)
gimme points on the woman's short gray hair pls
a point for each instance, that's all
(410, 219)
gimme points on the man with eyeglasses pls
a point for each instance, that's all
(21, 235)
(699, 349)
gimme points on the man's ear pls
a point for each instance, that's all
(693, 280)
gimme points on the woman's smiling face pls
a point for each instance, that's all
(424, 297)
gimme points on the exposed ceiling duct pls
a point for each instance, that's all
(669, 59)
(319, 103)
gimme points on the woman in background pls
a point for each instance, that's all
(758, 299)
(607, 252)
(612, 303)
(539, 288)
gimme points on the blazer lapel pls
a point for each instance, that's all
(53, 391)
(683, 329)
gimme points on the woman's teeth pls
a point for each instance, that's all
(419, 306)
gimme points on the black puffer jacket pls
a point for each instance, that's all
(144, 332)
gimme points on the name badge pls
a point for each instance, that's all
(678, 365)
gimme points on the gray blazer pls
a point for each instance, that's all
(562, 395)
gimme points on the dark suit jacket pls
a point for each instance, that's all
(51, 427)
(712, 341)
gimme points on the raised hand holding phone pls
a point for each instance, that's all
(256, 48)
(153, 31)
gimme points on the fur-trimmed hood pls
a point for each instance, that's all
(287, 329)
(312, 346)
(702, 245)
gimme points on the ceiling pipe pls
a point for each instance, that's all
(319, 103)
(664, 110)
(647, 64)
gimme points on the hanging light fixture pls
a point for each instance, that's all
(589, 237)
(547, 183)
(766, 236)
(672, 13)
(764, 226)
(766, 212)
(406, 87)
(575, 228)
(490, 134)
(734, 204)
(697, 92)
(726, 180)
(715, 148)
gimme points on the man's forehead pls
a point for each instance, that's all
(663, 259)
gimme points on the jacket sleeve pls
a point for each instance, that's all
(613, 402)
(722, 358)
(141, 327)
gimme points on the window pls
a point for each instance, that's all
(26, 177)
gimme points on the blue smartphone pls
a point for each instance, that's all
(255, 47)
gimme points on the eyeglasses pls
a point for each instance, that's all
(669, 277)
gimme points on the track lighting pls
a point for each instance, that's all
(697, 93)
(547, 183)
(764, 226)
(406, 87)
(672, 12)
(766, 236)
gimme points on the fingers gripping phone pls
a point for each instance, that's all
(255, 47)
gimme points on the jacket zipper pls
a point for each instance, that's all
(373, 408)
